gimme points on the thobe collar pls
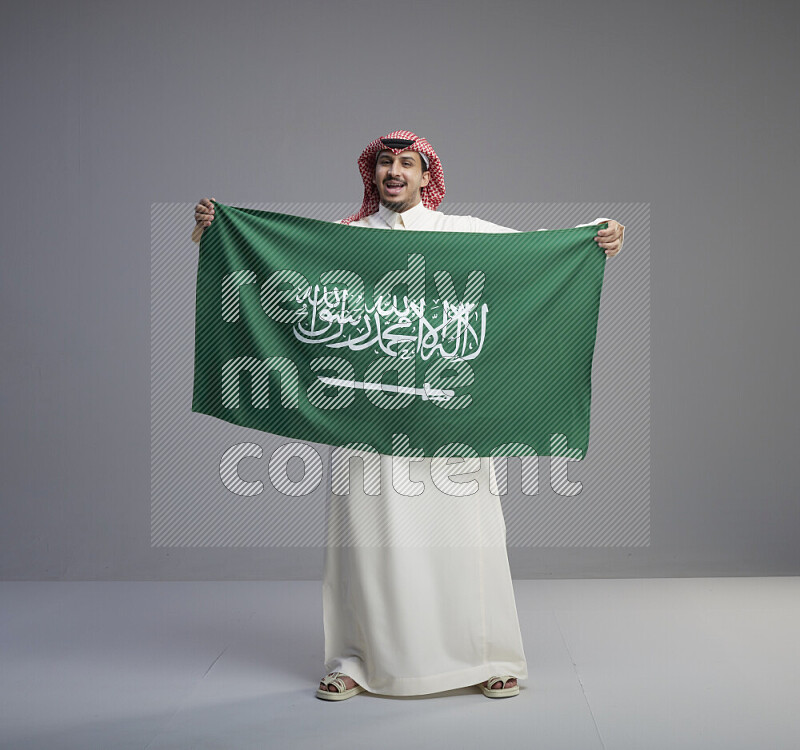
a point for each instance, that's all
(408, 219)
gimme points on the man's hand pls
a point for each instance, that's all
(204, 212)
(610, 239)
(203, 216)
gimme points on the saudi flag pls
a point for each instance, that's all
(406, 343)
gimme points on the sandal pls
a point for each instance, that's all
(502, 692)
(342, 693)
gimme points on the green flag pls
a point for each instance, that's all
(408, 343)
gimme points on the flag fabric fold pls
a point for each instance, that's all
(409, 343)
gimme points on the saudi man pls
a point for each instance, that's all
(417, 591)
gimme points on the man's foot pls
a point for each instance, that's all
(500, 686)
(336, 686)
(349, 682)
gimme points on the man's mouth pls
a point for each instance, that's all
(394, 187)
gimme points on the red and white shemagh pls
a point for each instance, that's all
(432, 194)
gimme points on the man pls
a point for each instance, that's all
(407, 618)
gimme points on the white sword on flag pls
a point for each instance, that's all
(427, 393)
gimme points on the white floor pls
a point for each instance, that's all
(639, 664)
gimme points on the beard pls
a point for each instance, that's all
(401, 205)
(396, 206)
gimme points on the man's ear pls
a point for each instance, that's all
(426, 178)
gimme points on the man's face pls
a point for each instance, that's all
(399, 179)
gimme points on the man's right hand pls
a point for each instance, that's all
(203, 216)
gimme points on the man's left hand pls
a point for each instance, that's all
(610, 239)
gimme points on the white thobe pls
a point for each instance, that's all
(417, 592)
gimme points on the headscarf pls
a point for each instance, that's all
(400, 140)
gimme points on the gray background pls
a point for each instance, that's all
(111, 107)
